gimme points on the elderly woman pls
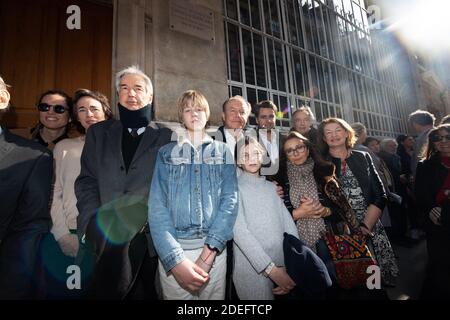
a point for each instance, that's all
(432, 190)
(303, 120)
(90, 108)
(55, 109)
(363, 187)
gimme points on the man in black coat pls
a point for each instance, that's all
(26, 171)
(112, 193)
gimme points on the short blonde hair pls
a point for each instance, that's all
(196, 99)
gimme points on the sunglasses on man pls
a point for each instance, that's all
(44, 107)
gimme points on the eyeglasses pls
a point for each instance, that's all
(44, 107)
(300, 148)
(439, 138)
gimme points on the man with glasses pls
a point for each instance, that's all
(112, 193)
(303, 120)
(26, 170)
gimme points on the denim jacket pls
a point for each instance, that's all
(193, 195)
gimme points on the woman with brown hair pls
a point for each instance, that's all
(303, 174)
(432, 191)
(62, 247)
(362, 185)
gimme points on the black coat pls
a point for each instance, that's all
(430, 176)
(112, 204)
(26, 171)
(363, 168)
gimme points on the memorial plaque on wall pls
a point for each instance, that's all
(191, 19)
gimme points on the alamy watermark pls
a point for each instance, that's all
(73, 22)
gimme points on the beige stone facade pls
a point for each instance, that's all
(175, 61)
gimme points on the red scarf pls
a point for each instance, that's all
(441, 196)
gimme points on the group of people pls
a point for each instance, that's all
(147, 212)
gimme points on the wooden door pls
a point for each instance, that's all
(38, 52)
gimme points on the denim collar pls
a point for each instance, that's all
(183, 138)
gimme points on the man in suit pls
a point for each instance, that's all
(235, 112)
(112, 193)
(26, 171)
(268, 136)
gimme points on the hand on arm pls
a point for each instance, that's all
(280, 190)
(309, 208)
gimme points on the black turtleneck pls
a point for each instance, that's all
(135, 118)
(132, 119)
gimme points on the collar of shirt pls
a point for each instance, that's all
(1, 131)
(263, 135)
(183, 138)
(139, 131)
(231, 141)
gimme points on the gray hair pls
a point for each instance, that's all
(359, 128)
(306, 110)
(244, 102)
(134, 70)
(384, 142)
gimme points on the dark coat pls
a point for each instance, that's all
(112, 204)
(26, 171)
(405, 159)
(363, 168)
(430, 177)
(306, 269)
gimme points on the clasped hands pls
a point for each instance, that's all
(192, 276)
(310, 208)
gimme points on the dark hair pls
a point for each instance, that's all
(422, 117)
(100, 97)
(369, 140)
(266, 104)
(431, 152)
(69, 104)
(61, 93)
(323, 170)
(401, 138)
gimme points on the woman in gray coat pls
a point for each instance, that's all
(262, 219)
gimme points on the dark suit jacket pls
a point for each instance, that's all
(430, 178)
(26, 171)
(112, 203)
(363, 168)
